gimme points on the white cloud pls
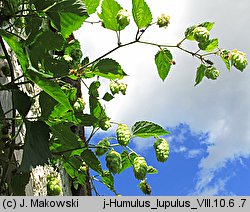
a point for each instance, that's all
(218, 188)
(194, 153)
(219, 107)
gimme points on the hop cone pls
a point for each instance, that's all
(123, 134)
(105, 124)
(113, 161)
(145, 187)
(53, 186)
(212, 73)
(123, 18)
(163, 20)
(201, 34)
(104, 146)
(238, 59)
(122, 88)
(161, 149)
(114, 87)
(140, 168)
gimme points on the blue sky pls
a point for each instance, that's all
(209, 124)
(180, 174)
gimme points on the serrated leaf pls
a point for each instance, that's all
(64, 138)
(200, 73)
(141, 13)
(88, 120)
(67, 16)
(210, 45)
(91, 160)
(48, 40)
(91, 5)
(16, 46)
(108, 179)
(19, 182)
(145, 129)
(22, 102)
(71, 165)
(96, 108)
(108, 97)
(207, 25)
(36, 145)
(110, 8)
(49, 86)
(163, 61)
(109, 69)
(189, 32)
(127, 160)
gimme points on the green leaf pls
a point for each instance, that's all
(57, 67)
(145, 129)
(209, 46)
(36, 145)
(108, 97)
(70, 170)
(64, 138)
(49, 86)
(67, 16)
(200, 73)
(207, 25)
(55, 113)
(110, 8)
(49, 40)
(141, 13)
(96, 109)
(19, 182)
(91, 160)
(22, 102)
(225, 58)
(127, 160)
(108, 179)
(32, 28)
(163, 61)
(91, 5)
(109, 69)
(88, 120)
(17, 47)
(93, 89)
(72, 165)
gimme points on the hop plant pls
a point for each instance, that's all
(201, 34)
(114, 87)
(140, 168)
(212, 73)
(161, 149)
(239, 59)
(123, 18)
(122, 88)
(145, 187)
(105, 124)
(123, 134)
(79, 105)
(163, 20)
(53, 186)
(113, 161)
(103, 147)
